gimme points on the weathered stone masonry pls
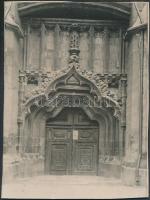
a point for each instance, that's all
(70, 60)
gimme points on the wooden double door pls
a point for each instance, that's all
(72, 145)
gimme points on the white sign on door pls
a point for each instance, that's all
(75, 134)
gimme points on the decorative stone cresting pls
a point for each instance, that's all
(45, 79)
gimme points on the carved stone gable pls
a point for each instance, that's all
(66, 84)
(73, 80)
(70, 75)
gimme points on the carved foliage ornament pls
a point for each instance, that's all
(49, 79)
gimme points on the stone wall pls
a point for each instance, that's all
(134, 169)
(17, 166)
(12, 64)
(135, 161)
(46, 46)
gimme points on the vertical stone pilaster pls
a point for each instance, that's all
(123, 83)
(116, 145)
(121, 52)
(91, 47)
(106, 50)
(25, 49)
(141, 106)
(56, 46)
(135, 113)
(133, 101)
(42, 47)
(28, 46)
(145, 97)
(20, 117)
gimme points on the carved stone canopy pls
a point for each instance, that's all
(72, 83)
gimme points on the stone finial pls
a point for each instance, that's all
(74, 44)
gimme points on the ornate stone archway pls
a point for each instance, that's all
(71, 87)
(76, 82)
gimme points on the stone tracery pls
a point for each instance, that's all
(101, 81)
(97, 80)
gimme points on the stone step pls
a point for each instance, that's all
(69, 180)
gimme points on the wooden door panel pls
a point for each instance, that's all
(88, 135)
(85, 158)
(58, 157)
(59, 161)
(58, 134)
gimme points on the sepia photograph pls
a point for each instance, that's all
(76, 100)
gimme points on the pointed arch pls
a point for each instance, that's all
(73, 83)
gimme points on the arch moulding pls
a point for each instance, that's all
(71, 87)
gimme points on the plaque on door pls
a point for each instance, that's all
(75, 134)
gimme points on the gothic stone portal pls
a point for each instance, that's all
(71, 143)
(75, 143)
